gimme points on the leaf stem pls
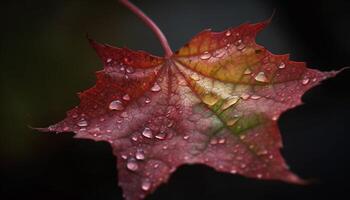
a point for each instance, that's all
(151, 25)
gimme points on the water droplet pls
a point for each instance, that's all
(305, 81)
(247, 71)
(245, 96)
(124, 157)
(119, 120)
(213, 141)
(82, 123)
(261, 77)
(259, 176)
(282, 65)
(132, 165)
(231, 122)
(147, 100)
(206, 55)
(147, 132)
(155, 88)
(161, 136)
(255, 97)
(210, 99)
(109, 60)
(233, 171)
(222, 141)
(126, 97)
(170, 124)
(130, 70)
(239, 45)
(155, 166)
(228, 33)
(195, 77)
(263, 152)
(165, 147)
(314, 79)
(116, 105)
(229, 102)
(146, 185)
(134, 138)
(243, 165)
(186, 137)
(140, 155)
(219, 53)
(274, 118)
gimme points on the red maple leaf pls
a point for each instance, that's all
(213, 102)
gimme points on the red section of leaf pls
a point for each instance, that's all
(159, 113)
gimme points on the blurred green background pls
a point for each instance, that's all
(45, 60)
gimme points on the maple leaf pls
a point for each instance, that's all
(216, 102)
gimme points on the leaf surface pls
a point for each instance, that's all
(215, 102)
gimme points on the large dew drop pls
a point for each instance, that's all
(147, 132)
(116, 105)
(132, 165)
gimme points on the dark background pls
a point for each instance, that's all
(45, 59)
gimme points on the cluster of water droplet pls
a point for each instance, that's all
(219, 53)
(132, 164)
(123, 67)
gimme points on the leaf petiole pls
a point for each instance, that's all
(150, 23)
